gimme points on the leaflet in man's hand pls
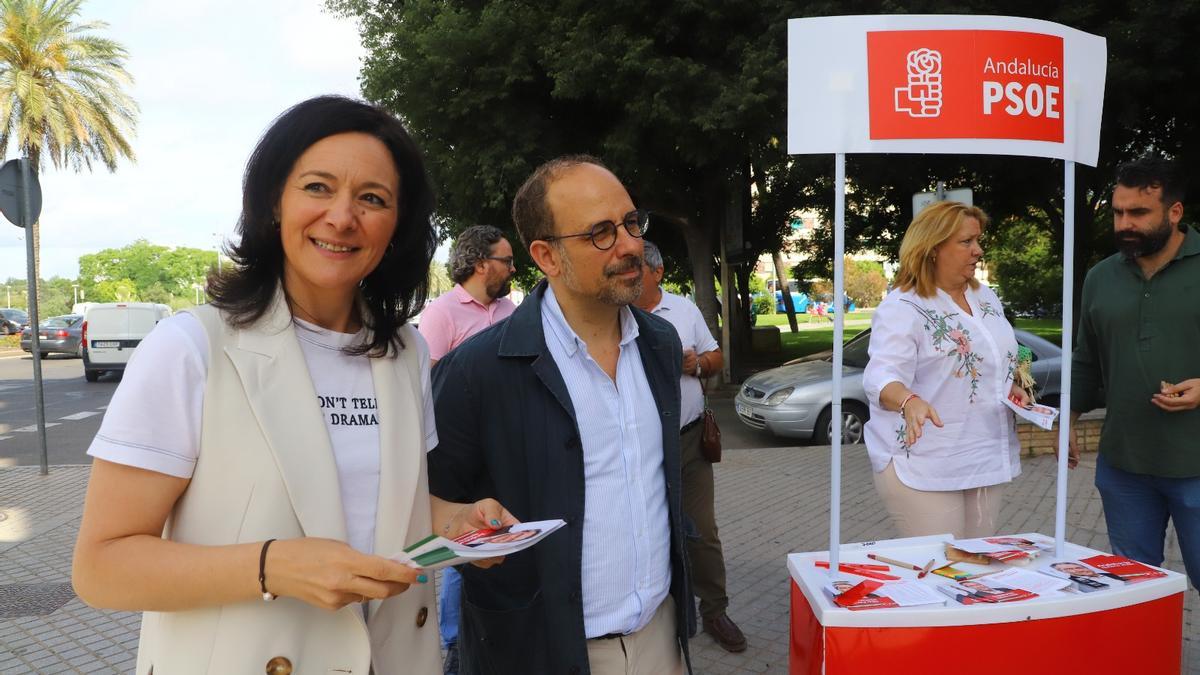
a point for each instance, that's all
(434, 552)
(1041, 415)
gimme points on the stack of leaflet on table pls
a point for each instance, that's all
(1009, 550)
(1010, 585)
(1100, 572)
(870, 594)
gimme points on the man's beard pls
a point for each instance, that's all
(1135, 244)
(499, 290)
(613, 291)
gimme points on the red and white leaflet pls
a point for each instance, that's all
(1029, 581)
(882, 595)
(1129, 571)
(1041, 415)
(1001, 544)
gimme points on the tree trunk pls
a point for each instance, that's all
(699, 236)
(785, 292)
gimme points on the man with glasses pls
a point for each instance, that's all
(701, 359)
(481, 265)
(570, 409)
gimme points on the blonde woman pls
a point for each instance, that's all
(941, 442)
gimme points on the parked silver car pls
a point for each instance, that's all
(795, 399)
(58, 335)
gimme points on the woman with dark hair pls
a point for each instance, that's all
(263, 461)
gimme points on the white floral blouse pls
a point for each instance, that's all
(962, 364)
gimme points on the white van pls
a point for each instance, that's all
(112, 330)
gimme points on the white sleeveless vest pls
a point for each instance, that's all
(266, 470)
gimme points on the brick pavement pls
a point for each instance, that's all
(770, 502)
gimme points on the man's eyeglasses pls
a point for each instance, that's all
(507, 260)
(604, 233)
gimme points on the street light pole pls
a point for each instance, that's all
(220, 244)
(75, 290)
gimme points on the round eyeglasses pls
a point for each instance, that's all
(604, 233)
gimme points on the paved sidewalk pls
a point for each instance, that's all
(770, 502)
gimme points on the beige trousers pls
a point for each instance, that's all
(966, 514)
(653, 650)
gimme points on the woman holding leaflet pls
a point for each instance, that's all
(264, 457)
(942, 356)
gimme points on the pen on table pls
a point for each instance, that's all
(860, 570)
(861, 566)
(925, 570)
(893, 561)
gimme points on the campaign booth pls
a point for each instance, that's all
(962, 85)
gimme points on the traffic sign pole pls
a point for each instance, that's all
(27, 219)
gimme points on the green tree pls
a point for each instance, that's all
(681, 100)
(62, 90)
(146, 272)
(1027, 268)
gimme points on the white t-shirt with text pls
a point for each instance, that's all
(154, 419)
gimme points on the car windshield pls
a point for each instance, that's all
(16, 315)
(61, 321)
(854, 354)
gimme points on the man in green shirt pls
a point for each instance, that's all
(1138, 355)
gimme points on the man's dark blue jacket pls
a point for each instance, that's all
(507, 430)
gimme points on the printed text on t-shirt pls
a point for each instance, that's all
(354, 405)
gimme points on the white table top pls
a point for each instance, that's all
(812, 579)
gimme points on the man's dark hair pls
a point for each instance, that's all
(1154, 171)
(530, 212)
(472, 247)
(396, 289)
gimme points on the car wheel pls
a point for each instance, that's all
(4, 329)
(854, 417)
(91, 375)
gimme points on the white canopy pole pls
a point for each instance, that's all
(839, 317)
(1064, 401)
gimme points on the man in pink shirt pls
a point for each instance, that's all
(481, 265)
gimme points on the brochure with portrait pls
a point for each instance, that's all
(434, 552)
(1005, 549)
(1084, 578)
(1041, 415)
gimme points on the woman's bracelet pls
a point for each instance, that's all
(267, 596)
(908, 398)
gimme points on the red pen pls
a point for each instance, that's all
(851, 568)
(864, 566)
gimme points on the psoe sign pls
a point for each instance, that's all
(956, 84)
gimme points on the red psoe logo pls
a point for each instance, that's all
(965, 84)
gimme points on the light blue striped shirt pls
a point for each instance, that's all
(626, 530)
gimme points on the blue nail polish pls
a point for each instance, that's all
(422, 579)
(495, 523)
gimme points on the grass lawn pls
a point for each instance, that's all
(1051, 329)
(819, 337)
(808, 342)
(10, 341)
(806, 320)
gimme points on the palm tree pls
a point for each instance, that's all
(62, 90)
